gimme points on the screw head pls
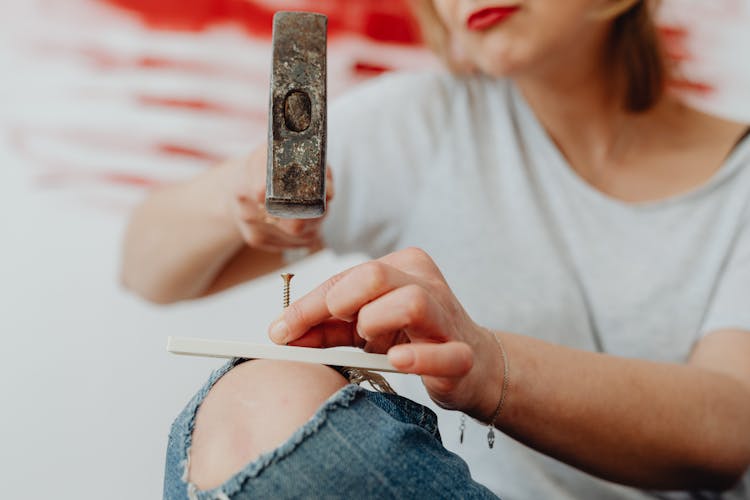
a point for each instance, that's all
(287, 277)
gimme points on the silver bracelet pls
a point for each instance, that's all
(498, 409)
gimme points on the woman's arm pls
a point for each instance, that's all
(645, 424)
(640, 423)
(210, 233)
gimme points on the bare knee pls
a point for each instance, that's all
(251, 410)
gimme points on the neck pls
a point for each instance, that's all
(577, 103)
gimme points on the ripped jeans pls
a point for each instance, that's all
(358, 444)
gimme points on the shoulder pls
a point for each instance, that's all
(419, 96)
(737, 166)
(742, 147)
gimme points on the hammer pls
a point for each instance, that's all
(295, 172)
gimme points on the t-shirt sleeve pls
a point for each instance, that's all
(730, 307)
(381, 139)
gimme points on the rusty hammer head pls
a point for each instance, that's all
(295, 175)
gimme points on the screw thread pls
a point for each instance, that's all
(287, 278)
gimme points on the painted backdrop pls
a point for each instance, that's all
(101, 100)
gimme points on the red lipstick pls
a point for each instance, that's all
(486, 18)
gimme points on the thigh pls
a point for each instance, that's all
(359, 443)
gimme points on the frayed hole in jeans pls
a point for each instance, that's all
(186, 468)
(358, 376)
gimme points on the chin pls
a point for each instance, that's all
(498, 69)
(500, 65)
(499, 58)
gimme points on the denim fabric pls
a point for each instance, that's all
(359, 444)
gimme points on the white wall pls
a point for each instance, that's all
(87, 389)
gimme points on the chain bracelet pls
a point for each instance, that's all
(506, 370)
(498, 409)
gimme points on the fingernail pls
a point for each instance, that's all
(279, 332)
(401, 357)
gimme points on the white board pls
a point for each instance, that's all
(237, 349)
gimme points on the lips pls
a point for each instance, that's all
(486, 18)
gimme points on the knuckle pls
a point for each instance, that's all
(246, 210)
(417, 303)
(297, 227)
(310, 234)
(330, 283)
(258, 195)
(239, 203)
(376, 275)
(331, 300)
(444, 385)
(442, 288)
(339, 309)
(417, 254)
(335, 308)
(252, 238)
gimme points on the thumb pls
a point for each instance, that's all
(449, 359)
(330, 191)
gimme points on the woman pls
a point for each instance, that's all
(581, 282)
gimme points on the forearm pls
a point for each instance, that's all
(649, 425)
(180, 239)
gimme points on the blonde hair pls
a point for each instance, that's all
(634, 51)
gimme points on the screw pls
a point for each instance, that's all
(287, 278)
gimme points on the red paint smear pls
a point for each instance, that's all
(152, 62)
(673, 32)
(201, 106)
(691, 86)
(174, 102)
(369, 69)
(105, 60)
(55, 174)
(113, 141)
(177, 150)
(49, 180)
(128, 179)
(674, 41)
(391, 27)
(384, 21)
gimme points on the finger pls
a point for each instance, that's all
(256, 167)
(303, 314)
(381, 344)
(304, 239)
(330, 333)
(259, 235)
(449, 359)
(414, 261)
(339, 297)
(409, 308)
(247, 209)
(312, 231)
(294, 227)
(330, 188)
(361, 285)
(252, 213)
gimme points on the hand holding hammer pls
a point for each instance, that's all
(281, 194)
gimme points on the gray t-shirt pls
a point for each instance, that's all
(463, 169)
